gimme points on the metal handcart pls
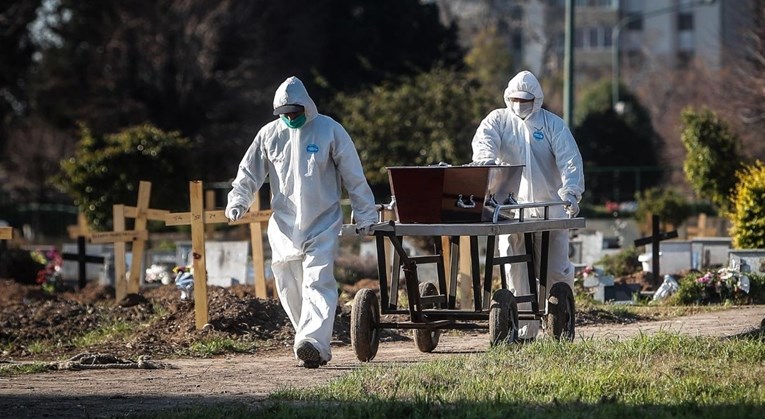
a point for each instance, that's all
(432, 307)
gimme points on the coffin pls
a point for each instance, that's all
(451, 194)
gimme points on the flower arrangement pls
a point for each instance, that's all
(588, 271)
(725, 284)
(49, 277)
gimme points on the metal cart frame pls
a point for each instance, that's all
(431, 309)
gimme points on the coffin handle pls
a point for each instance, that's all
(462, 204)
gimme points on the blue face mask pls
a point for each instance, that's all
(293, 123)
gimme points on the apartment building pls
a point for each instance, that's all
(652, 34)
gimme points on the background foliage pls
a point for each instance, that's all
(138, 153)
(748, 215)
(422, 120)
(607, 139)
(712, 156)
(668, 204)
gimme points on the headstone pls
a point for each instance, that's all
(675, 256)
(226, 262)
(592, 247)
(621, 293)
(709, 252)
(751, 259)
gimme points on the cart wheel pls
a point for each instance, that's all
(427, 339)
(503, 318)
(560, 312)
(365, 316)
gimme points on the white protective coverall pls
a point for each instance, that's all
(307, 167)
(553, 171)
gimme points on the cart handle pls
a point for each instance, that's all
(521, 207)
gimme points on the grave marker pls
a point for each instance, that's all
(138, 236)
(198, 217)
(255, 219)
(655, 238)
(82, 259)
(747, 260)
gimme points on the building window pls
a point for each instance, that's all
(594, 38)
(605, 4)
(637, 23)
(684, 21)
(607, 38)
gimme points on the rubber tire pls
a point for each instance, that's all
(427, 339)
(365, 315)
(561, 320)
(503, 318)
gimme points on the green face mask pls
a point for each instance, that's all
(293, 123)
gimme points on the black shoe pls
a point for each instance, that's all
(309, 356)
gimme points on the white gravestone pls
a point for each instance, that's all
(226, 262)
(751, 259)
(674, 257)
(710, 252)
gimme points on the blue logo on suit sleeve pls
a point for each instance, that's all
(312, 148)
(538, 135)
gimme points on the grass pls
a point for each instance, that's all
(217, 346)
(109, 332)
(8, 370)
(659, 376)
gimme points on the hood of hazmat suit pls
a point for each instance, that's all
(307, 167)
(541, 142)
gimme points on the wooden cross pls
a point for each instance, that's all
(81, 229)
(138, 236)
(198, 218)
(656, 237)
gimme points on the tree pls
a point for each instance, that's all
(607, 139)
(16, 50)
(489, 61)
(745, 80)
(31, 159)
(426, 119)
(210, 69)
(668, 204)
(106, 171)
(712, 158)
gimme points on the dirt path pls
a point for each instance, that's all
(250, 378)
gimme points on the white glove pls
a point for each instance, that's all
(573, 208)
(363, 229)
(235, 212)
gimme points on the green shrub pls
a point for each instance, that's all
(712, 156)
(621, 264)
(107, 170)
(748, 215)
(668, 204)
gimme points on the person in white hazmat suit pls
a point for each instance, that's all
(308, 157)
(524, 133)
